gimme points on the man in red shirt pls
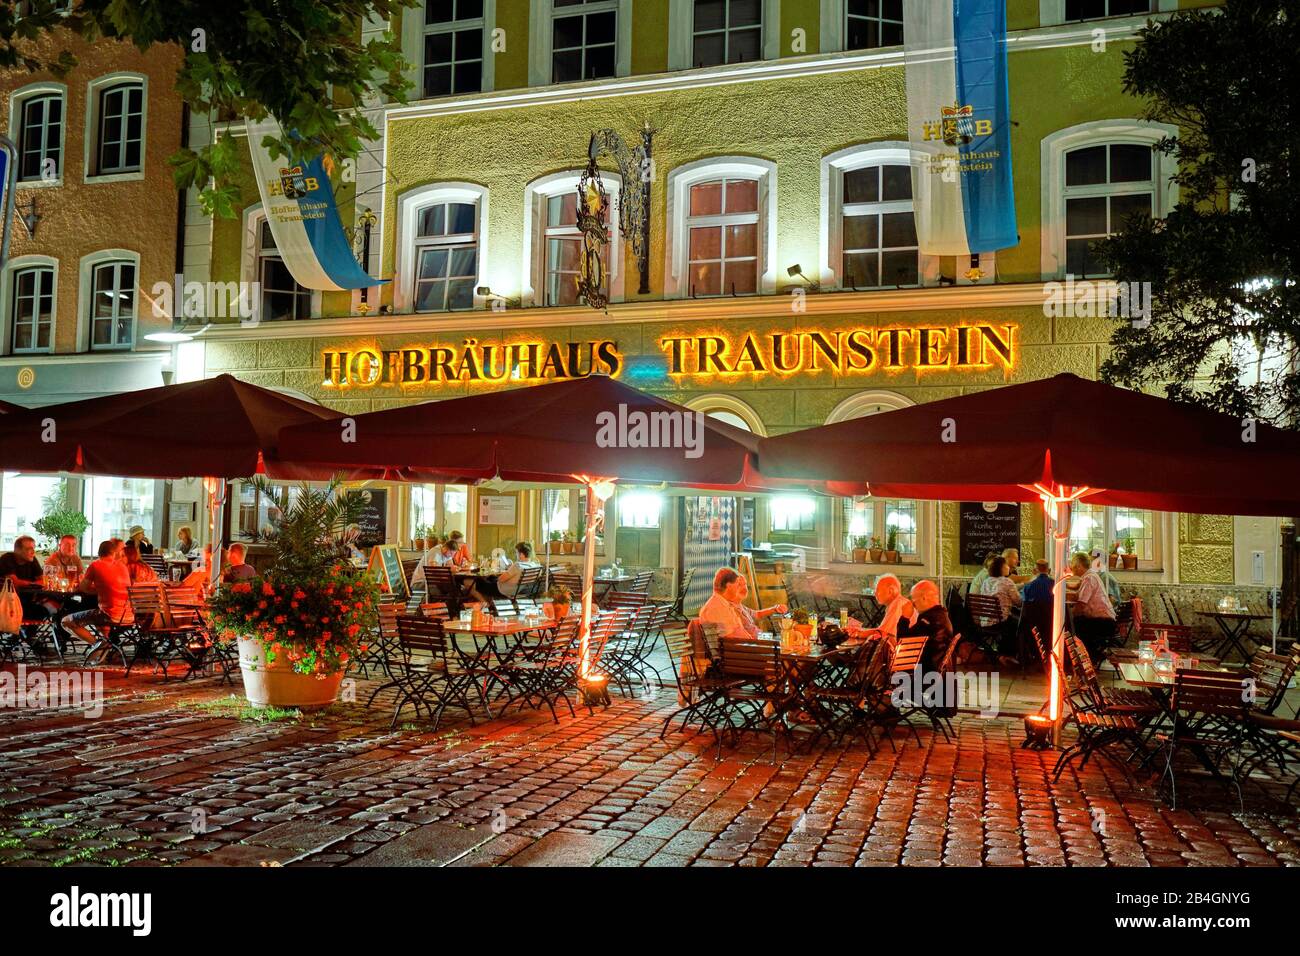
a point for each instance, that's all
(109, 580)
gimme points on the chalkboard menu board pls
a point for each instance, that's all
(386, 568)
(985, 527)
(372, 529)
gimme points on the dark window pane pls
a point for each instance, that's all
(891, 34)
(897, 183)
(437, 48)
(897, 229)
(710, 15)
(432, 220)
(1085, 167)
(709, 50)
(861, 232)
(745, 13)
(744, 46)
(602, 27)
(439, 11)
(1122, 207)
(462, 218)
(1085, 217)
(566, 33)
(437, 81)
(567, 67)
(469, 77)
(460, 294)
(1084, 9)
(860, 270)
(469, 9)
(899, 268)
(1130, 164)
(600, 63)
(469, 44)
(862, 35)
(862, 185)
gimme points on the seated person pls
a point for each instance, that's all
(140, 572)
(184, 541)
(898, 609)
(1093, 615)
(236, 569)
(508, 580)
(981, 575)
(1038, 594)
(725, 609)
(66, 562)
(200, 577)
(21, 567)
(108, 579)
(931, 620)
(430, 557)
(1109, 580)
(460, 556)
(1013, 566)
(999, 585)
(137, 537)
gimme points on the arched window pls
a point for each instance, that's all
(441, 247)
(37, 126)
(116, 118)
(29, 295)
(552, 254)
(108, 280)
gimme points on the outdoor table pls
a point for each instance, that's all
(483, 637)
(1236, 627)
(862, 597)
(1159, 685)
(798, 670)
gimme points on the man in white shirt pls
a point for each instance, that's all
(725, 612)
(508, 580)
(1094, 617)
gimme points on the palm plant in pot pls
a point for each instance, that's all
(891, 546)
(310, 611)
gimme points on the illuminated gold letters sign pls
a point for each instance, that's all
(524, 362)
(845, 351)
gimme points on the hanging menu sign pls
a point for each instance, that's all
(372, 528)
(987, 526)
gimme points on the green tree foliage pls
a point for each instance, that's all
(301, 61)
(1225, 327)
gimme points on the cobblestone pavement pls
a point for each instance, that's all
(180, 774)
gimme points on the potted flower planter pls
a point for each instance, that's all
(419, 544)
(1113, 561)
(1130, 562)
(277, 684)
(891, 557)
(876, 554)
(859, 555)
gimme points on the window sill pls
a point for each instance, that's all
(38, 183)
(124, 177)
(870, 567)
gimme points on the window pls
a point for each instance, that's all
(584, 40)
(282, 297)
(40, 138)
(796, 513)
(115, 505)
(552, 253)
(562, 252)
(446, 256)
(1104, 186)
(1095, 175)
(453, 47)
(727, 31)
(870, 24)
(722, 231)
(639, 509)
(867, 519)
(1096, 9)
(564, 518)
(24, 500)
(32, 313)
(112, 305)
(438, 509)
(878, 228)
(1102, 528)
(121, 129)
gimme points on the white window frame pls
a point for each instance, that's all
(90, 148)
(17, 106)
(85, 297)
(834, 19)
(1095, 133)
(11, 268)
(1051, 13)
(677, 240)
(721, 402)
(536, 195)
(540, 24)
(831, 225)
(681, 34)
(413, 32)
(1162, 541)
(409, 205)
(250, 255)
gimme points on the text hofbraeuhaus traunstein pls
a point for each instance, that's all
(843, 351)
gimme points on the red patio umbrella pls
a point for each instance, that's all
(6, 407)
(593, 430)
(1057, 440)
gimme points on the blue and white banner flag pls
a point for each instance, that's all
(959, 125)
(304, 219)
(8, 176)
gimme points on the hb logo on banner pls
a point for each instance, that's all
(293, 184)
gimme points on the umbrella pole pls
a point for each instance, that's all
(1060, 537)
(597, 492)
(216, 489)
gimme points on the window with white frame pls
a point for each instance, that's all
(282, 297)
(40, 137)
(1105, 185)
(727, 31)
(31, 310)
(584, 40)
(120, 133)
(453, 47)
(446, 256)
(1098, 9)
(722, 230)
(869, 24)
(876, 522)
(1108, 529)
(639, 508)
(552, 256)
(793, 513)
(562, 250)
(878, 228)
(112, 305)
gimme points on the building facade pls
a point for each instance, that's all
(94, 230)
(784, 287)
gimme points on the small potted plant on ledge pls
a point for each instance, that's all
(309, 612)
(561, 600)
(554, 538)
(567, 545)
(1130, 555)
(891, 547)
(875, 551)
(860, 549)
(1113, 559)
